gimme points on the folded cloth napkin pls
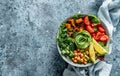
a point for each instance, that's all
(109, 13)
(99, 69)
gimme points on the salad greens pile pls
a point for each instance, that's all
(66, 43)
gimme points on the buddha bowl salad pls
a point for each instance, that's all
(82, 39)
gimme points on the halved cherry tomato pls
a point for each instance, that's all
(86, 20)
(102, 33)
(89, 29)
(98, 35)
(101, 29)
(104, 38)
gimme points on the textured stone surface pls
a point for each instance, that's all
(27, 36)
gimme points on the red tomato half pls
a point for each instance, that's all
(89, 29)
(86, 20)
(104, 38)
(101, 29)
(98, 35)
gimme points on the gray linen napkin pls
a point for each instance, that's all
(100, 69)
(109, 13)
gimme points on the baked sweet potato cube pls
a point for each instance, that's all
(79, 20)
(72, 22)
(67, 25)
(76, 28)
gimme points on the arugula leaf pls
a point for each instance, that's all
(65, 42)
(106, 48)
(103, 45)
(94, 19)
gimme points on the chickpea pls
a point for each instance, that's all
(75, 54)
(72, 59)
(78, 58)
(75, 57)
(81, 55)
(85, 62)
(75, 60)
(85, 59)
(82, 60)
(87, 52)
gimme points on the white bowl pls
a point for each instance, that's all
(68, 60)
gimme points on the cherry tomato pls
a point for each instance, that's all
(86, 20)
(102, 33)
(101, 29)
(98, 35)
(89, 29)
(104, 38)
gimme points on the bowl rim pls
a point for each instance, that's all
(77, 64)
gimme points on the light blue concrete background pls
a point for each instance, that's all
(28, 36)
